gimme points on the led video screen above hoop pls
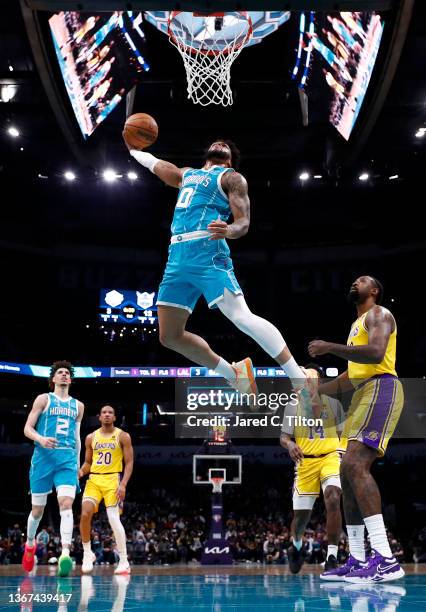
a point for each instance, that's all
(336, 56)
(98, 59)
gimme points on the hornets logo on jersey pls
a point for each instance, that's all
(58, 421)
(198, 265)
(201, 200)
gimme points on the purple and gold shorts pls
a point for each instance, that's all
(374, 411)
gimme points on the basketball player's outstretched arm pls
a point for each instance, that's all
(126, 445)
(29, 429)
(167, 172)
(85, 468)
(235, 186)
(379, 323)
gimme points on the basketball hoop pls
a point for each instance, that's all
(217, 482)
(209, 44)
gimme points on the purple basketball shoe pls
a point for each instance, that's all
(376, 569)
(339, 573)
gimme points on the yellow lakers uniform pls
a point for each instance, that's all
(359, 372)
(106, 468)
(320, 445)
(378, 400)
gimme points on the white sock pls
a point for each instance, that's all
(292, 370)
(332, 550)
(297, 544)
(32, 526)
(377, 532)
(118, 530)
(225, 369)
(66, 527)
(356, 541)
(87, 548)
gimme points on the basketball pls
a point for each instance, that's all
(140, 131)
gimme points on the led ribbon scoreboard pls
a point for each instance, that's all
(27, 369)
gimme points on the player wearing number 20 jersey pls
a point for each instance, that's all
(107, 449)
(106, 468)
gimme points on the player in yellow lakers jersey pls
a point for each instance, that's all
(106, 449)
(373, 415)
(315, 451)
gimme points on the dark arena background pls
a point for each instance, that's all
(328, 111)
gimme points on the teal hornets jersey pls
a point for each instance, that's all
(58, 421)
(201, 200)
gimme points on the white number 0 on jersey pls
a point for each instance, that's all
(185, 197)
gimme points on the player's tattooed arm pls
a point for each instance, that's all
(30, 431)
(85, 468)
(126, 445)
(380, 324)
(235, 186)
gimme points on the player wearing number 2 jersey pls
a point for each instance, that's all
(199, 264)
(54, 425)
(106, 449)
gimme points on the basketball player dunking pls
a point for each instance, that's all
(54, 425)
(106, 449)
(199, 264)
(373, 415)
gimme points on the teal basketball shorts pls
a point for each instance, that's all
(195, 268)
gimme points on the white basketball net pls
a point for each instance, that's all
(217, 484)
(209, 44)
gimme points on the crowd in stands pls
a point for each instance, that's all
(166, 531)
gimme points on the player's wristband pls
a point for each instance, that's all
(146, 159)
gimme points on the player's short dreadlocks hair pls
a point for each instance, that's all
(57, 366)
(235, 152)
